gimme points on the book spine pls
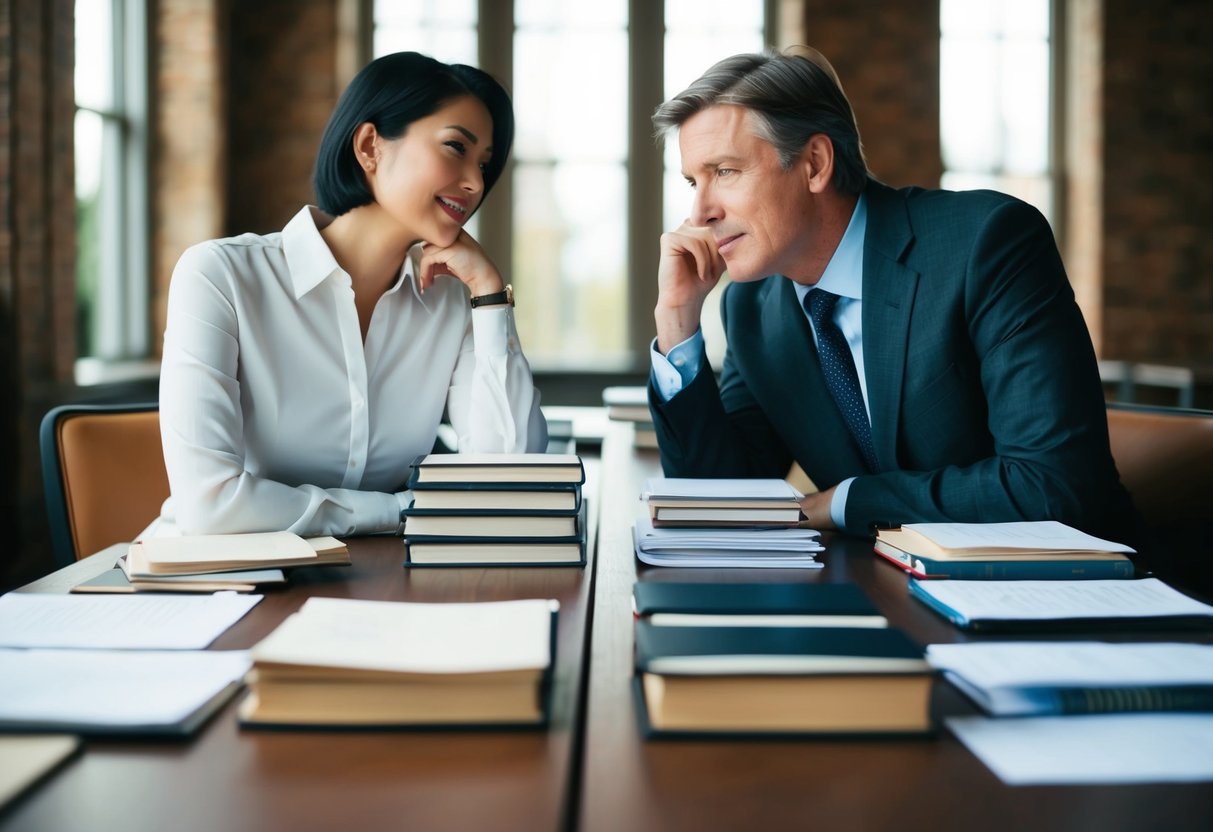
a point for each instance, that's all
(1026, 570)
(1120, 700)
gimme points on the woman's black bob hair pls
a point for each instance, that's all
(391, 93)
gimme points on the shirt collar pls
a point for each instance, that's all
(309, 258)
(844, 273)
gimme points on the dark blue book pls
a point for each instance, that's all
(779, 681)
(755, 604)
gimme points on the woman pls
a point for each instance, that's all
(304, 370)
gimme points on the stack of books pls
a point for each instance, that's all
(213, 563)
(754, 523)
(722, 503)
(1044, 550)
(348, 663)
(631, 404)
(772, 659)
(496, 509)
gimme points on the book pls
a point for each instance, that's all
(990, 541)
(344, 663)
(498, 470)
(627, 404)
(563, 498)
(155, 557)
(117, 581)
(25, 761)
(126, 692)
(762, 548)
(489, 524)
(681, 604)
(1028, 567)
(994, 606)
(771, 681)
(675, 502)
(1084, 677)
(544, 551)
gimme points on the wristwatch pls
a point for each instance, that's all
(506, 295)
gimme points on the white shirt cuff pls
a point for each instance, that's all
(491, 330)
(838, 503)
(673, 372)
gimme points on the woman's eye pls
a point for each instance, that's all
(457, 146)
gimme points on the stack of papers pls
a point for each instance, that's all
(1038, 678)
(772, 548)
(159, 557)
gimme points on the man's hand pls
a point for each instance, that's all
(816, 509)
(463, 259)
(689, 268)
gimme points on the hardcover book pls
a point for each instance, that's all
(772, 681)
(681, 604)
(477, 470)
(373, 664)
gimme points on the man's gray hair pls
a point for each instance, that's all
(791, 95)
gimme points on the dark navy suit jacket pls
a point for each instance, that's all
(982, 384)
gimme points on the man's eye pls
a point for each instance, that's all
(725, 172)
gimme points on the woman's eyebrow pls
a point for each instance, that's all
(471, 137)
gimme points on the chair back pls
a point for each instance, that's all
(103, 473)
(1165, 459)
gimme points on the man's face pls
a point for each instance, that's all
(761, 215)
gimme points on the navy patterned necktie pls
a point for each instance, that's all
(838, 366)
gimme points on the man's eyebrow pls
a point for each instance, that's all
(723, 161)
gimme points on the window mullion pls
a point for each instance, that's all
(495, 27)
(646, 59)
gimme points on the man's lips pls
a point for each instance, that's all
(724, 244)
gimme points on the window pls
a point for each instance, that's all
(996, 98)
(576, 219)
(111, 183)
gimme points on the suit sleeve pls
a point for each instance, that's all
(1045, 407)
(717, 430)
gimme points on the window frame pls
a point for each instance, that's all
(121, 314)
(646, 58)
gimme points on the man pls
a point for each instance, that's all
(918, 353)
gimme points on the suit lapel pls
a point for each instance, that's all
(888, 299)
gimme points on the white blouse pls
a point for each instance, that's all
(275, 415)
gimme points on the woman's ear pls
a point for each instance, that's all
(366, 146)
(817, 161)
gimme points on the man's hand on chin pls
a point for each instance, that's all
(816, 509)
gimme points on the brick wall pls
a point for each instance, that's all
(887, 57)
(1157, 199)
(37, 259)
(283, 87)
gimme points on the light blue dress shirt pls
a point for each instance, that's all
(843, 276)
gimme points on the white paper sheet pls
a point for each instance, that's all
(1108, 748)
(1048, 600)
(111, 687)
(131, 622)
(1042, 534)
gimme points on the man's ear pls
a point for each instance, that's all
(817, 162)
(366, 146)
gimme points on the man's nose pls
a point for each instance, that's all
(704, 210)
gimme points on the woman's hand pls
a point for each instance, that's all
(463, 259)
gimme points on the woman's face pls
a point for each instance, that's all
(431, 179)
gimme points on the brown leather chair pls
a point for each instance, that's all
(1165, 459)
(103, 474)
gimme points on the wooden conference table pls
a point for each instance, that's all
(591, 770)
